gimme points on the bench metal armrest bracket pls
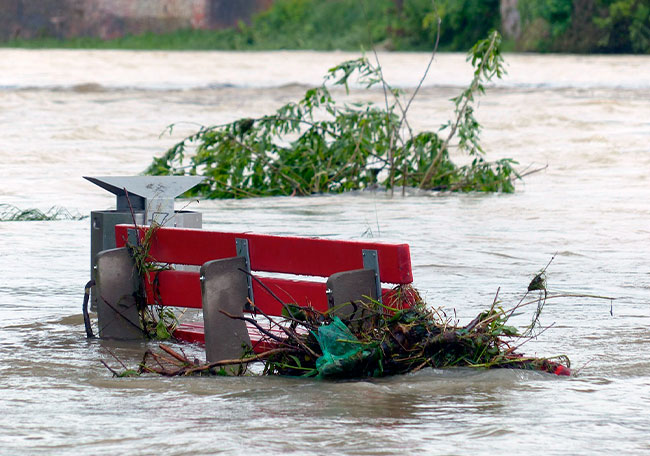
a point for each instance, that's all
(242, 251)
(371, 261)
(132, 234)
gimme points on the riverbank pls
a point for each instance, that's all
(558, 26)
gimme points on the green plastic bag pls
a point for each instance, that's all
(343, 355)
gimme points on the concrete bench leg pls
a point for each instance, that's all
(350, 287)
(224, 287)
(116, 282)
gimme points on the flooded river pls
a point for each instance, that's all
(65, 114)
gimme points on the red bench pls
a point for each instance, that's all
(264, 254)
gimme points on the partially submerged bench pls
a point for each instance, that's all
(234, 270)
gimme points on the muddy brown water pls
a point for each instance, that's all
(65, 114)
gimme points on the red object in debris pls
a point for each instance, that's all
(561, 370)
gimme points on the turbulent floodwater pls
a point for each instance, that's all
(65, 114)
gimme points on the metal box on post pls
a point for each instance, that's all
(146, 199)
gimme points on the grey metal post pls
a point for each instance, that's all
(146, 199)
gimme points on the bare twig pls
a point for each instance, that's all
(525, 173)
(229, 362)
(254, 323)
(475, 82)
(116, 358)
(273, 295)
(175, 354)
(115, 374)
(433, 55)
(532, 336)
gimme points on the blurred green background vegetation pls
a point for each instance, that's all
(583, 26)
(610, 26)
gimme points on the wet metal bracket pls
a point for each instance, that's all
(371, 261)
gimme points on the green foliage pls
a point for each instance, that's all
(288, 24)
(321, 25)
(626, 27)
(465, 21)
(556, 13)
(128, 373)
(547, 26)
(165, 325)
(316, 145)
(310, 24)
(621, 26)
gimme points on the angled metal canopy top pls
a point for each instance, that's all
(148, 187)
(152, 194)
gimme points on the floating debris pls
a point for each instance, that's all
(378, 340)
(10, 213)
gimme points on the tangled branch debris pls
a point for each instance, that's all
(379, 341)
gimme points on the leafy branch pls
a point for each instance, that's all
(317, 145)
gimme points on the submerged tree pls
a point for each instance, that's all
(316, 145)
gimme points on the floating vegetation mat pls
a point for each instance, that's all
(10, 213)
(378, 340)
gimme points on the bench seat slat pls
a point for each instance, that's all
(194, 333)
(290, 255)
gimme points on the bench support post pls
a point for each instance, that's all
(117, 283)
(346, 289)
(224, 288)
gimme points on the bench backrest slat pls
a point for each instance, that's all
(183, 289)
(278, 254)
